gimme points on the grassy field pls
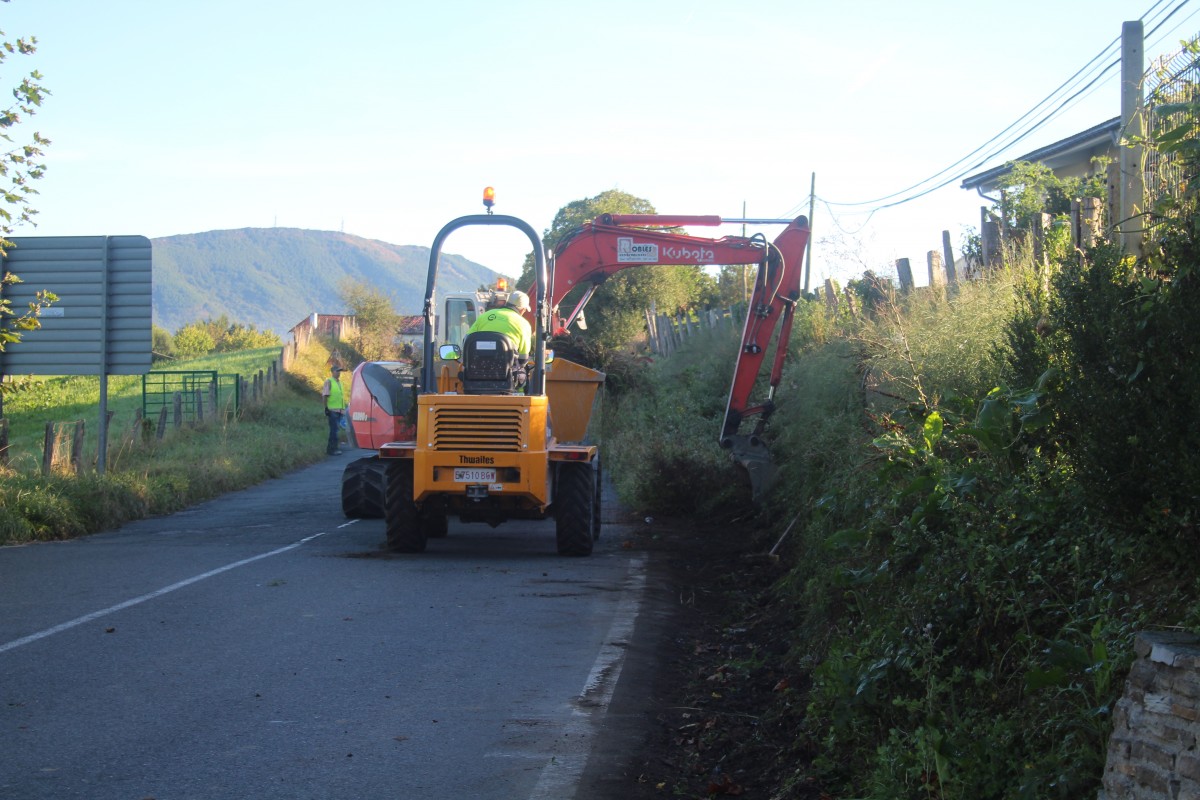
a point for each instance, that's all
(147, 476)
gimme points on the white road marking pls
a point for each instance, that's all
(95, 615)
(560, 777)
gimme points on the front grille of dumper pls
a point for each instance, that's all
(460, 428)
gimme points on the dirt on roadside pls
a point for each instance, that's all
(726, 708)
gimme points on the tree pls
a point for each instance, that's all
(375, 317)
(245, 337)
(1032, 188)
(162, 345)
(229, 337)
(193, 340)
(615, 313)
(20, 165)
(873, 291)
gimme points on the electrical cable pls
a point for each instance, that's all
(998, 139)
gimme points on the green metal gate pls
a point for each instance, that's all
(160, 387)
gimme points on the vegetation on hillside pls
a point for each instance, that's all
(206, 336)
(277, 277)
(991, 492)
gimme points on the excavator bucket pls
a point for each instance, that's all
(751, 453)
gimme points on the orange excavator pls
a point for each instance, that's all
(589, 254)
(497, 438)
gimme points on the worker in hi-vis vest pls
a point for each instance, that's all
(508, 321)
(333, 398)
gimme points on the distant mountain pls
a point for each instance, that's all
(274, 277)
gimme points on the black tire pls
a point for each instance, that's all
(436, 526)
(599, 490)
(405, 533)
(574, 509)
(364, 488)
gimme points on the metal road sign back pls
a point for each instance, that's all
(101, 322)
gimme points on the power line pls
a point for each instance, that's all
(1013, 133)
(986, 144)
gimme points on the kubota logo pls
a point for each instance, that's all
(631, 252)
(695, 255)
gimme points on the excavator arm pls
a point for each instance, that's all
(588, 255)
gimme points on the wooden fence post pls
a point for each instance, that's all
(668, 334)
(4, 441)
(948, 253)
(48, 443)
(851, 303)
(831, 300)
(989, 239)
(177, 401)
(136, 431)
(904, 272)
(199, 401)
(162, 423)
(1091, 221)
(77, 448)
(937, 277)
(1041, 227)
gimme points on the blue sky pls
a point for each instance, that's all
(387, 119)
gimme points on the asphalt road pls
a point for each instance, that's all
(262, 646)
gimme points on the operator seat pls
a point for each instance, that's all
(489, 364)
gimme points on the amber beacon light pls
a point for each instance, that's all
(489, 198)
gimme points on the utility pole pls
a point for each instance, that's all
(812, 201)
(745, 288)
(1133, 182)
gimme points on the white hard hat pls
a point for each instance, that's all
(519, 301)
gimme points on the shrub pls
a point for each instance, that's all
(193, 340)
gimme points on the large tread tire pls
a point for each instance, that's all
(405, 533)
(597, 516)
(574, 509)
(364, 488)
(436, 525)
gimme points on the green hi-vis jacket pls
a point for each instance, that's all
(336, 400)
(508, 322)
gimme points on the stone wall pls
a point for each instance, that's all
(1154, 751)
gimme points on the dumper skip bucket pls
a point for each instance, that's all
(571, 389)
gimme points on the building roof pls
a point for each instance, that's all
(411, 325)
(1080, 148)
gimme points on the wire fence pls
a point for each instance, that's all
(1173, 80)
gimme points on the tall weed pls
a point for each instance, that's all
(961, 607)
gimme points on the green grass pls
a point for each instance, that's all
(73, 398)
(146, 476)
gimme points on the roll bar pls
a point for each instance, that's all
(537, 383)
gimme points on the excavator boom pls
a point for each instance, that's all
(591, 253)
